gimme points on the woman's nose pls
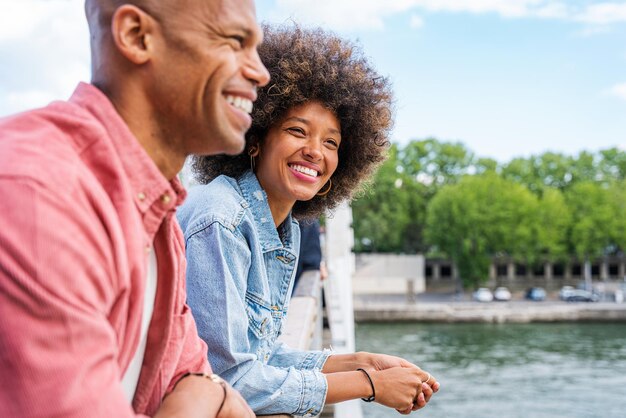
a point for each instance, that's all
(313, 152)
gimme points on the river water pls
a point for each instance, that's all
(510, 370)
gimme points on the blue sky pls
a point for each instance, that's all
(506, 77)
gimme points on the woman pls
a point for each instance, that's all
(319, 128)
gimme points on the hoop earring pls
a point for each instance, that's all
(253, 150)
(325, 192)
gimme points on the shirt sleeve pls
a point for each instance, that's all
(57, 349)
(192, 355)
(217, 272)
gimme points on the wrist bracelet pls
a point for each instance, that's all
(373, 397)
(215, 379)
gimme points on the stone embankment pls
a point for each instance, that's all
(390, 310)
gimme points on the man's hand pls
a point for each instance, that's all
(198, 397)
(235, 406)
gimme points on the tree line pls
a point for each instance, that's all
(439, 199)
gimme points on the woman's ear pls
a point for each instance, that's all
(253, 148)
(254, 151)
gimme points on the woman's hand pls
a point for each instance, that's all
(383, 361)
(400, 388)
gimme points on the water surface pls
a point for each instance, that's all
(510, 370)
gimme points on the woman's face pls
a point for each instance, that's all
(299, 154)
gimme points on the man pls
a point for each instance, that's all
(93, 321)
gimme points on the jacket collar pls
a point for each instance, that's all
(271, 238)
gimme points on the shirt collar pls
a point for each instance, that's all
(149, 185)
(270, 237)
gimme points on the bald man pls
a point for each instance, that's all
(93, 320)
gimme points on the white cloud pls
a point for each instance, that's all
(506, 8)
(371, 14)
(416, 22)
(603, 14)
(27, 99)
(618, 90)
(362, 14)
(45, 50)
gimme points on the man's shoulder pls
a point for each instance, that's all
(44, 147)
(41, 144)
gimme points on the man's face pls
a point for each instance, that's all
(205, 79)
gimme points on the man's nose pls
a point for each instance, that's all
(255, 71)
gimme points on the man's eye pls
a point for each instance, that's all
(240, 40)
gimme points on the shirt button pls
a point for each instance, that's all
(141, 196)
(165, 199)
(147, 248)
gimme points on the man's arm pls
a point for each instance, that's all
(58, 350)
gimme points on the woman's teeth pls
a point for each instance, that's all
(304, 170)
(240, 103)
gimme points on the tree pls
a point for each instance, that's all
(612, 165)
(548, 170)
(554, 219)
(434, 163)
(479, 217)
(618, 192)
(389, 216)
(594, 220)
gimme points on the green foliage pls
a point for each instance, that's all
(550, 232)
(597, 221)
(552, 170)
(438, 198)
(481, 216)
(389, 217)
(435, 163)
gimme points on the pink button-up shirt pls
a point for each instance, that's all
(80, 204)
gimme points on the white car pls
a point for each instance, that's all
(580, 295)
(565, 292)
(502, 294)
(482, 295)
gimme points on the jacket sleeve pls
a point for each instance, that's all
(283, 356)
(217, 273)
(57, 349)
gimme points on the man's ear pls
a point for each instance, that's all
(133, 33)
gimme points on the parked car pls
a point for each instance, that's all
(482, 295)
(502, 294)
(536, 293)
(580, 295)
(565, 292)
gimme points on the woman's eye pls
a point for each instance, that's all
(332, 143)
(297, 131)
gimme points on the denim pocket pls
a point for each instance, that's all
(259, 318)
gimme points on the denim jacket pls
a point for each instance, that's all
(240, 273)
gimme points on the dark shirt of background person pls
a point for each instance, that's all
(310, 249)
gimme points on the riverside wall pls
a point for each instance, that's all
(495, 312)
